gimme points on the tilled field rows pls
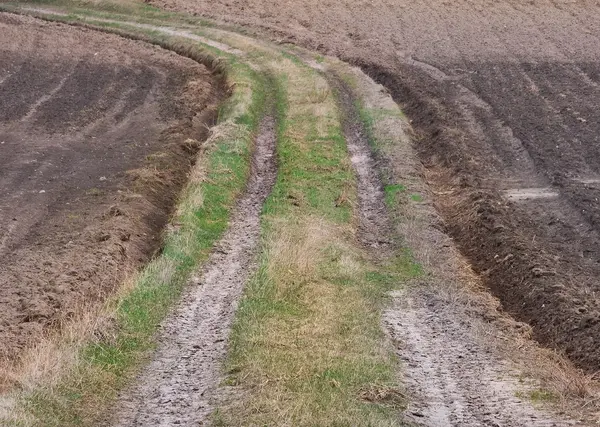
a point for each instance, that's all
(92, 157)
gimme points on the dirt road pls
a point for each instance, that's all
(504, 97)
(92, 155)
(452, 378)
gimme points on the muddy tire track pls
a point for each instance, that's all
(176, 388)
(516, 108)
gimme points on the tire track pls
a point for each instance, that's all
(177, 387)
(451, 378)
(375, 226)
(457, 382)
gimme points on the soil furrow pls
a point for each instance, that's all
(176, 388)
(60, 247)
(535, 66)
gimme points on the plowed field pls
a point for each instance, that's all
(504, 98)
(97, 134)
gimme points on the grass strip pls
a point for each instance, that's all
(307, 347)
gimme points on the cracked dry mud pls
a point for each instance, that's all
(177, 387)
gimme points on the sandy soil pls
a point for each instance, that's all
(504, 97)
(92, 156)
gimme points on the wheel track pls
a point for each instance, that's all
(177, 387)
(452, 379)
(422, 336)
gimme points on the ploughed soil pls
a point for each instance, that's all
(504, 98)
(97, 134)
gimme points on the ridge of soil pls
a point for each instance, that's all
(97, 134)
(504, 97)
(179, 386)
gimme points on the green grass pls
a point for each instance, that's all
(134, 10)
(537, 395)
(391, 193)
(307, 343)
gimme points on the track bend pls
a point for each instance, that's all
(176, 387)
(451, 377)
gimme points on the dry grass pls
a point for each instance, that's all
(308, 342)
(307, 348)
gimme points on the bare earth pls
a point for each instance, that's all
(504, 97)
(92, 156)
(451, 377)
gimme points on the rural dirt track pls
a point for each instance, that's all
(92, 157)
(179, 386)
(504, 99)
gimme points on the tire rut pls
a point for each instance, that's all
(178, 386)
(452, 379)
(456, 381)
(375, 225)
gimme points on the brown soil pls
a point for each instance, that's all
(97, 134)
(504, 97)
